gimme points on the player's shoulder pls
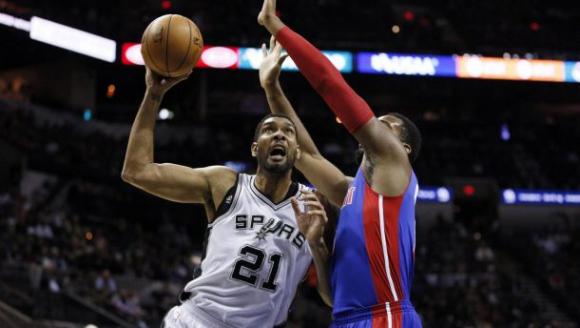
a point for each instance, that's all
(220, 178)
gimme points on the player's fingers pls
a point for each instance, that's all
(313, 205)
(317, 213)
(296, 207)
(183, 77)
(272, 43)
(308, 195)
(281, 59)
(264, 50)
(277, 46)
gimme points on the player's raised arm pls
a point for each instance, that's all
(326, 177)
(381, 144)
(170, 181)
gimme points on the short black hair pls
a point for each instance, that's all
(410, 135)
(259, 126)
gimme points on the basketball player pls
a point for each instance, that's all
(373, 256)
(257, 249)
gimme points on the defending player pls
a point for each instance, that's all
(257, 251)
(373, 256)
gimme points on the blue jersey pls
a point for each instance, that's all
(373, 257)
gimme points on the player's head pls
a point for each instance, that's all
(275, 146)
(407, 132)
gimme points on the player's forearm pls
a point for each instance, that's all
(320, 256)
(279, 104)
(141, 139)
(353, 111)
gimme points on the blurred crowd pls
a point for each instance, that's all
(460, 282)
(551, 256)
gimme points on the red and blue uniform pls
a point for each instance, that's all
(373, 258)
(373, 254)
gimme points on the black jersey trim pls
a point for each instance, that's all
(292, 191)
(198, 271)
(224, 208)
(225, 204)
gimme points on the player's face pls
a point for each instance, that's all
(276, 148)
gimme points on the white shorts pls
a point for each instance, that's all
(187, 315)
(179, 317)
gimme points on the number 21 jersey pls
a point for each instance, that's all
(255, 258)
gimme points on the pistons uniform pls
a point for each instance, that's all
(373, 258)
(255, 257)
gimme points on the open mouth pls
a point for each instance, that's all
(277, 153)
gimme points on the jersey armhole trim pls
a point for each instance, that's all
(228, 202)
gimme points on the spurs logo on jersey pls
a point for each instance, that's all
(255, 259)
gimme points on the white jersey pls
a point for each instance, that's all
(255, 259)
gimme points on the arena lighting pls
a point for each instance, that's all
(165, 114)
(166, 5)
(219, 57)
(505, 132)
(573, 72)
(540, 197)
(72, 39)
(15, 22)
(434, 195)
(238, 166)
(131, 54)
(87, 114)
(468, 190)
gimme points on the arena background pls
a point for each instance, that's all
(493, 85)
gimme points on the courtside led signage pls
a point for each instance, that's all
(434, 195)
(250, 58)
(539, 197)
(405, 64)
(475, 67)
(219, 57)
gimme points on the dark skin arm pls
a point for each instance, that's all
(318, 170)
(386, 165)
(173, 182)
(311, 223)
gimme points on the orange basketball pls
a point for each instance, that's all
(171, 45)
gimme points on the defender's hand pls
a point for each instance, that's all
(268, 18)
(272, 60)
(158, 85)
(312, 222)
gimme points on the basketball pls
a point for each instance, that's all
(171, 45)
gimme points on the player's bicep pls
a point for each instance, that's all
(326, 177)
(178, 183)
(378, 140)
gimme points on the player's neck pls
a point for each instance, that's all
(274, 186)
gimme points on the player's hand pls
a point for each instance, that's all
(311, 222)
(158, 85)
(272, 60)
(268, 18)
